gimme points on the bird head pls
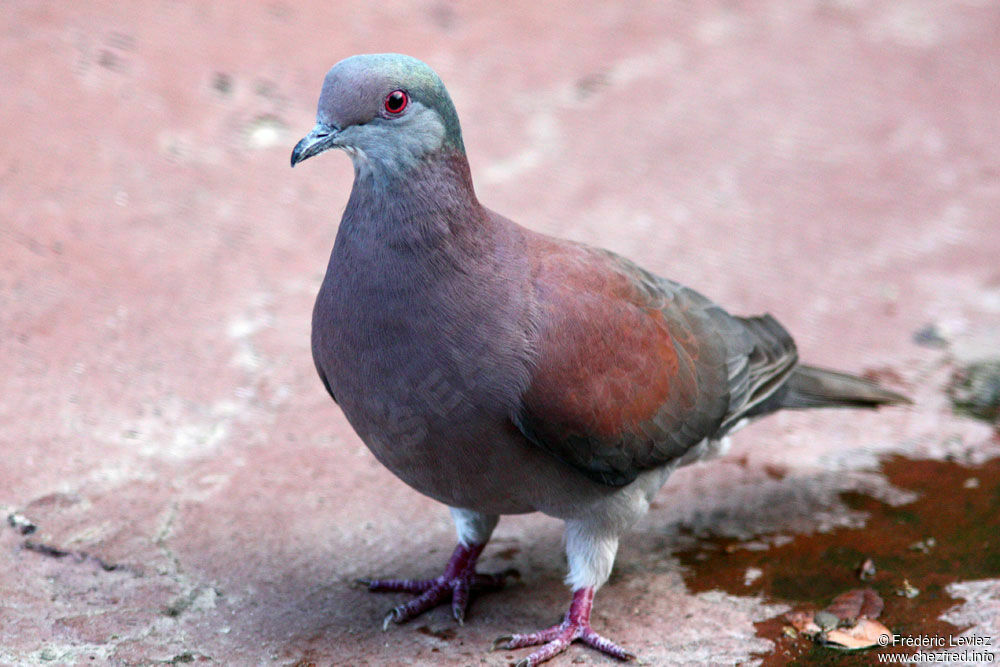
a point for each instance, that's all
(387, 111)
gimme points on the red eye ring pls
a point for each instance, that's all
(396, 101)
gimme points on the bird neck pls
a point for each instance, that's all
(434, 203)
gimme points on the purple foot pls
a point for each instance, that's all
(458, 581)
(557, 639)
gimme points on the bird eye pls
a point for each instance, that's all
(396, 101)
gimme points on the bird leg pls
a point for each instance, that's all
(457, 582)
(555, 640)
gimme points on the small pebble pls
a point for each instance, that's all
(908, 590)
(867, 570)
(21, 523)
(825, 620)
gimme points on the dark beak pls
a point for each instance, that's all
(320, 139)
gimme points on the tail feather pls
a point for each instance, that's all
(811, 387)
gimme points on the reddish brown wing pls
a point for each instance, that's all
(631, 370)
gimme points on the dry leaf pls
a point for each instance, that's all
(859, 603)
(864, 634)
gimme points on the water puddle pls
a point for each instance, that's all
(950, 533)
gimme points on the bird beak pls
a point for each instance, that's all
(320, 139)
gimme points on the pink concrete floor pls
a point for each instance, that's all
(833, 162)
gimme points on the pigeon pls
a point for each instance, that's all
(502, 371)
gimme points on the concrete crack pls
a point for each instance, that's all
(78, 557)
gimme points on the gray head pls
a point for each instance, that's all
(388, 111)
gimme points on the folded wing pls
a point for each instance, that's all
(632, 370)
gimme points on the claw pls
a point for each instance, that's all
(459, 600)
(393, 615)
(502, 639)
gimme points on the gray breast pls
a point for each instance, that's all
(427, 369)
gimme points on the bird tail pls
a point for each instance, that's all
(811, 387)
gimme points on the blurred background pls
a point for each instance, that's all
(177, 485)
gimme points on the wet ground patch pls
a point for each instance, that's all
(950, 533)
